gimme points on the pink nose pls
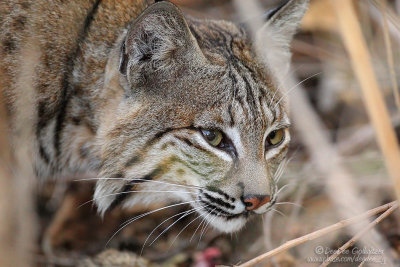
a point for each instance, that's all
(253, 202)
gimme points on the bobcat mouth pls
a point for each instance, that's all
(221, 219)
(220, 211)
(217, 207)
(214, 210)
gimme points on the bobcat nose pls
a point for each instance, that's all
(253, 202)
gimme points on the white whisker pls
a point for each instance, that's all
(145, 214)
(280, 170)
(294, 87)
(277, 211)
(186, 227)
(205, 217)
(290, 203)
(137, 179)
(206, 226)
(283, 187)
(135, 191)
(291, 72)
(201, 222)
(148, 237)
(180, 218)
(285, 162)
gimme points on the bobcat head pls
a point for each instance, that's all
(200, 119)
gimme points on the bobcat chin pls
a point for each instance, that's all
(161, 106)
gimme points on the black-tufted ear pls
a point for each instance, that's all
(274, 38)
(156, 41)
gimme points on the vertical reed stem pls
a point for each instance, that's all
(356, 46)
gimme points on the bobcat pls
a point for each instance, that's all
(160, 106)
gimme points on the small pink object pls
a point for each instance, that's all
(208, 258)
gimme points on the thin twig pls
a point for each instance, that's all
(295, 242)
(358, 235)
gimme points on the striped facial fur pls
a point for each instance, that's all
(201, 120)
(160, 107)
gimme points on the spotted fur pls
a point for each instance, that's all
(124, 88)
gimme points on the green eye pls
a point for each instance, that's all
(275, 137)
(214, 137)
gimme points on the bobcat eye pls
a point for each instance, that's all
(275, 138)
(214, 137)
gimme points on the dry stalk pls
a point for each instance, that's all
(393, 18)
(295, 242)
(389, 53)
(358, 235)
(397, 4)
(355, 44)
(8, 216)
(358, 138)
(20, 222)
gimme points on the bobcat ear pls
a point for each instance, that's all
(274, 38)
(156, 41)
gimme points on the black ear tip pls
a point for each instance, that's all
(273, 11)
(123, 61)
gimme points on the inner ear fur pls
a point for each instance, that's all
(157, 40)
(274, 38)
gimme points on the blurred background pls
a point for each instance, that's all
(70, 232)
